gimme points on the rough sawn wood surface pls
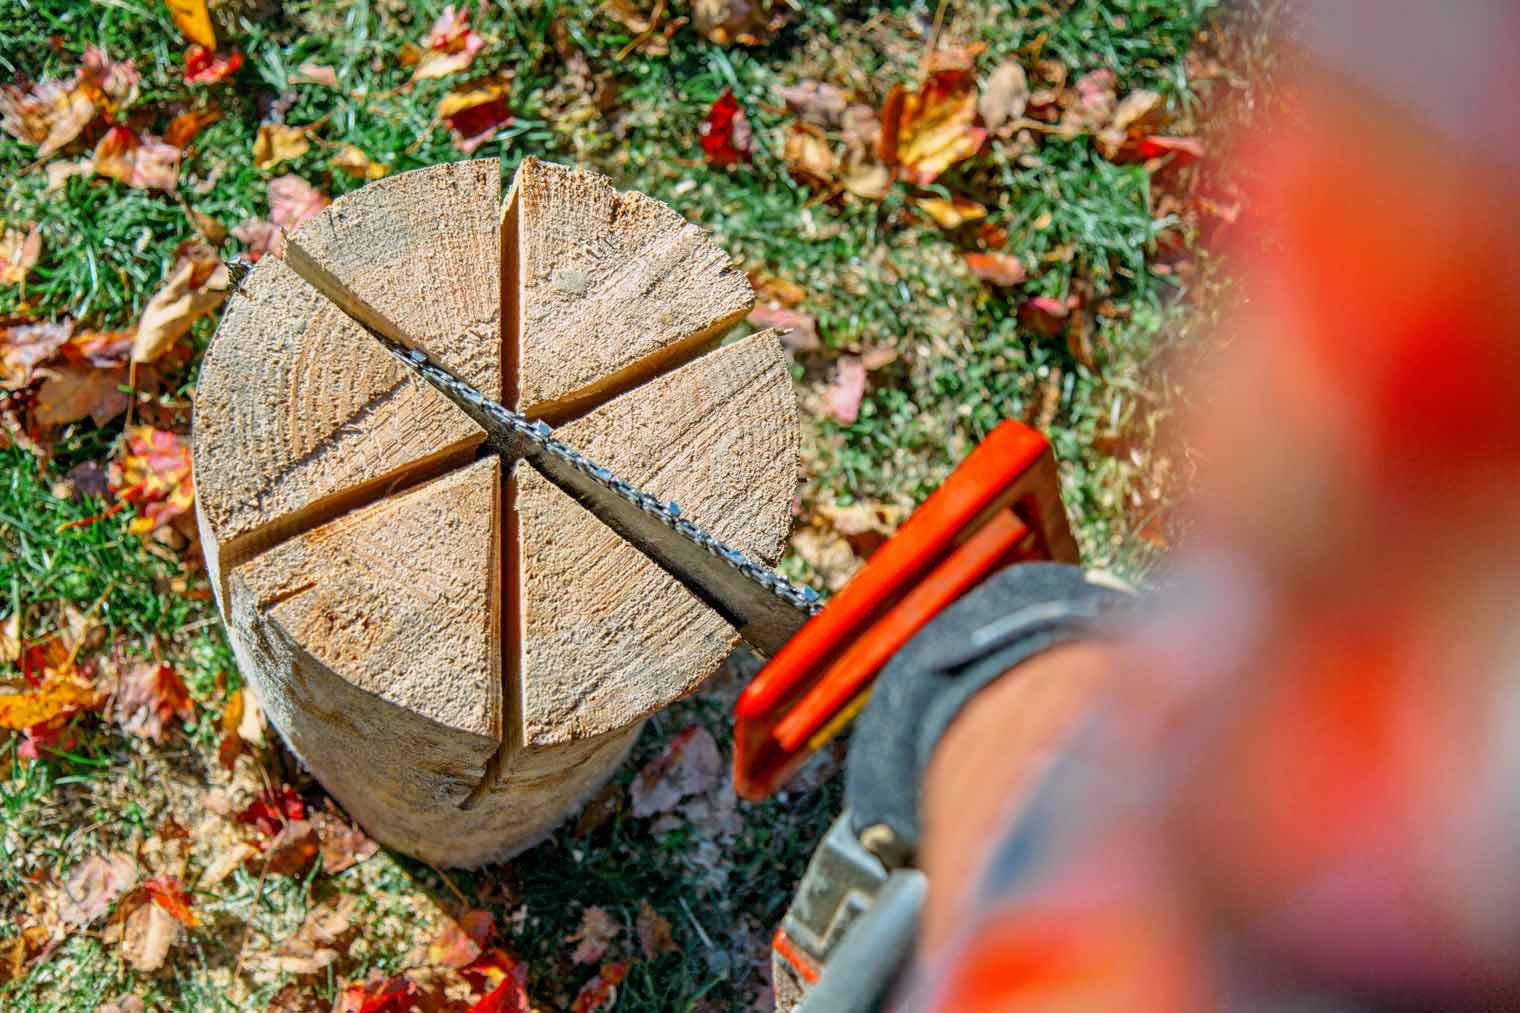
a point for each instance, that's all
(458, 655)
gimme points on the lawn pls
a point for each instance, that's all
(1045, 272)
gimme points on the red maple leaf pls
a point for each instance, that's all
(272, 809)
(725, 131)
(599, 992)
(203, 66)
(505, 975)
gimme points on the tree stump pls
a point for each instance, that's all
(461, 655)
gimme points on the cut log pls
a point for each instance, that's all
(458, 657)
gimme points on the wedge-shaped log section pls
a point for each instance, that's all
(298, 413)
(613, 288)
(609, 637)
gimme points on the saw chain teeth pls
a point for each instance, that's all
(540, 437)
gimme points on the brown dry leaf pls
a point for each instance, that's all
(828, 553)
(867, 179)
(148, 697)
(808, 154)
(654, 932)
(475, 110)
(94, 885)
(1005, 97)
(689, 765)
(817, 102)
(352, 160)
(19, 253)
(291, 999)
(191, 18)
(315, 73)
(227, 860)
(209, 229)
(864, 525)
(259, 237)
(925, 132)
(455, 946)
(60, 172)
(1140, 112)
(799, 331)
(951, 213)
(1089, 103)
(278, 143)
(24, 347)
(1001, 269)
(845, 389)
(183, 128)
(1044, 315)
(598, 930)
(343, 844)
(143, 162)
(450, 47)
(231, 745)
(293, 849)
(748, 22)
(196, 287)
(147, 935)
(313, 947)
(104, 349)
(71, 393)
(53, 113)
(292, 200)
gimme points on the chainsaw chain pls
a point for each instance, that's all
(540, 436)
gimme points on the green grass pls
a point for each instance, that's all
(876, 277)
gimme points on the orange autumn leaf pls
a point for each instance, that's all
(952, 212)
(148, 698)
(925, 132)
(61, 693)
(601, 991)
(192, 18)
(169, 894)
(52, 113)
(154, 476)
(140, 161)
(183, 128)
(352, 160)
(1000, 269)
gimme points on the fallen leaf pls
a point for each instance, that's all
(352, 160)
(147, 935)
(689, 765)
(197, 285)
(154, 476)
(60, 172)
(954, 58)
(168, 893)
(103, 349)
(314, 73)
(475, 110)
(867, 179)
(203, 66)
(1005, 97)
(816, 102)
(654, 932)
(148, 698)
(846, 389)
(292, 201)
(455, 946)
(191, 17)
(53, 113)
(1090, 102)
(293, 849)
(26, 346)
(258, 238)
(313, 947)
(925, 132)
(19, 253)
(71, 393)
(272, 809)
(61, 691)
(951, 213)
(505, 976)
(47, 738)
(450, 46)
(807, 153)
(777, 290)
(94, 885)
(292, 999)
(10, 639)
(1001, 269)
(747, 22)
(601, 991)
(799, 331)
(230, 746)
(1183, 149)
(597, 931)
(1044, 315)
(725, 133)
(226, 860)
(278, 142)
(124, 1003)
(343, 844)
(142, 162)
(864, 525)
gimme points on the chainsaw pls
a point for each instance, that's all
(857, 904)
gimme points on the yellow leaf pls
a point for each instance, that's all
(277, 143)
(192, 18)
(948, 214)
(355, 162)
(18, 254)
(927, 131)
(60, 692)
